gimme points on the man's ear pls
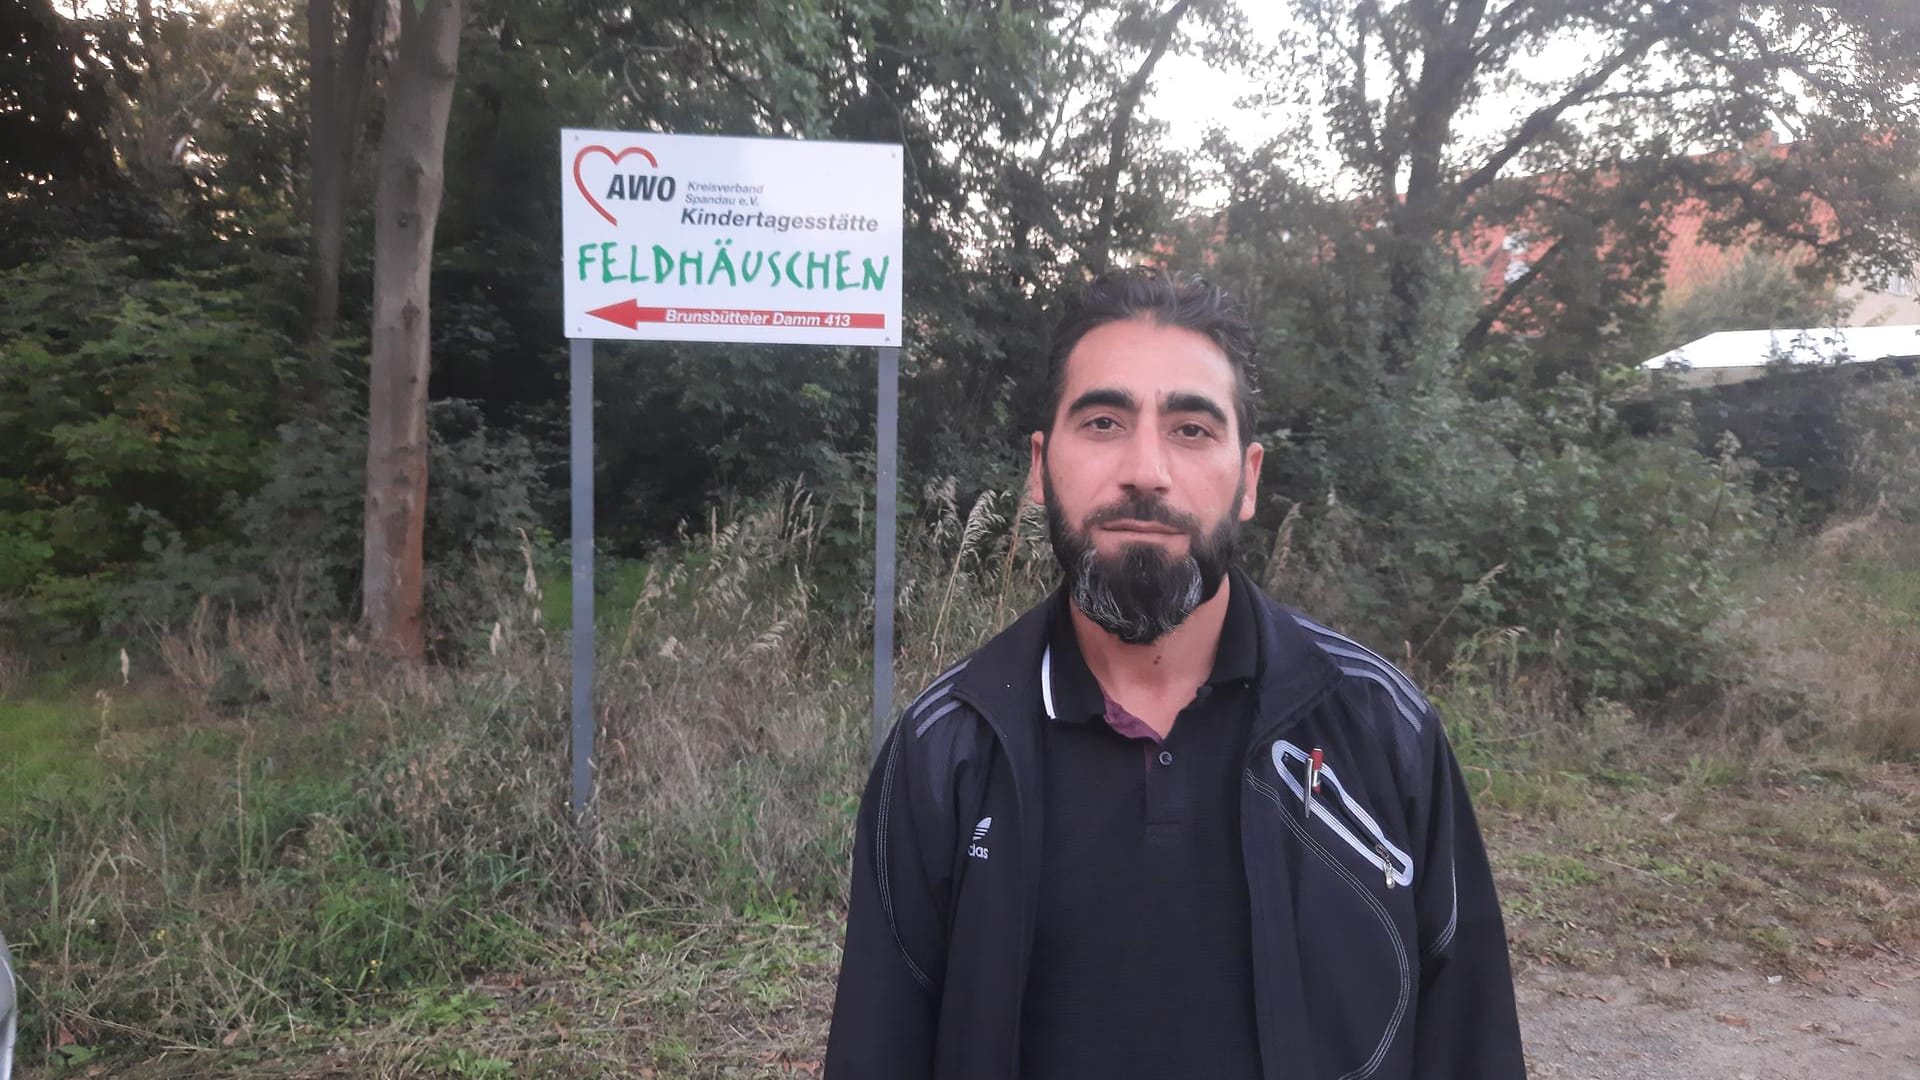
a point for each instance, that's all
(1250, 478)
(1037, 468)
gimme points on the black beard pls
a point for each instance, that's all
(1142, 593)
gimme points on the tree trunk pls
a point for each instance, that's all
(151, 110)
(406, 207)
(336, 74)
(1100, 248)
(1447, 70)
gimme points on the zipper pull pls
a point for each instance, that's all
(1387, 863)
(1313, 782)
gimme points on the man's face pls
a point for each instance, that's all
(1143, 476)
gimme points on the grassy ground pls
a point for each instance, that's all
(1695, 863)
(656, 995)
(44, 742)
(618, 586)
(1705, 862)
(1782, 829)
(56, 723)
(305, 866)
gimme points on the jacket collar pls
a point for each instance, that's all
(1070, 693)
(1005, 681)
(1296, 673)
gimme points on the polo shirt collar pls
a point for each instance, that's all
(1070, 692)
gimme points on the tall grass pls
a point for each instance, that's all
(1837, 622)
(323, 830)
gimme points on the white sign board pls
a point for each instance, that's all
(704, 238)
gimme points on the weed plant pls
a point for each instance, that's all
(309, 841)
(311, 832)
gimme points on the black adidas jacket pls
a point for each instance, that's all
(1377, 940)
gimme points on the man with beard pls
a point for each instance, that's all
(1163, 827)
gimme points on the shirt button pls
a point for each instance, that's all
(1166, 758)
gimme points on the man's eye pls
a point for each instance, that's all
(1191, 431)
(1102, 423)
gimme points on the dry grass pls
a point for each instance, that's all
(1839, 620)
(1662, 856)
(1777, 827)
(334, 869)
(14, 670)
(318, 839)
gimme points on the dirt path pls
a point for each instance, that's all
(1859, 1018)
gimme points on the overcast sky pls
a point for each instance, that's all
(1193, 98)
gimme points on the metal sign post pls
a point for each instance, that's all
(886, 453)
(580, 467)
(708, 238)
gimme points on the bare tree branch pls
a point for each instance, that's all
(1493, 310)
(1542, 119)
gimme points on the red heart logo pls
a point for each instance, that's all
(611, 156)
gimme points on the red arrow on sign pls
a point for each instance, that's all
(630, 314)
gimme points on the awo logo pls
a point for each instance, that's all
(631, 185)
(974, 850)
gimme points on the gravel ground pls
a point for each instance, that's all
(1851, 1018)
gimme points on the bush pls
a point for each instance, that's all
(134, 408)
(1884, 467)
(1447, 518)
(349, 832)
(1806, 429)
(1761, 291)
(300, 533)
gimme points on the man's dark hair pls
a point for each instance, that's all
(1165, 298)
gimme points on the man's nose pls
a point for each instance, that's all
(1145, 468)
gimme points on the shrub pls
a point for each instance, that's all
(348, 830)
(300, 532)
(1761, 291)
(133, 409)
(1884, 468)
(1446, 518)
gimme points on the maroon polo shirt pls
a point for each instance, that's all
(1141, 961)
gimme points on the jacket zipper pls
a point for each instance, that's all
(1373, 904)
(1029, 833)
(1341, 813)
(882, 868)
